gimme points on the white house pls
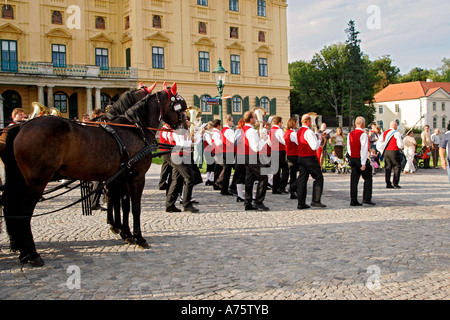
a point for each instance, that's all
(414, 103)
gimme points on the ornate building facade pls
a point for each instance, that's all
(76, 55)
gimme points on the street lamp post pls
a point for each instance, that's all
(220, 74)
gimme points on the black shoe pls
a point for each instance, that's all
(172, 209)
(369, 203)
(355, 204)
(99, 207)
(217, 187)
(397, 186)
(226, 193)
(250, 207)
(261, 206)
(303, 206)
(276, 192)
(283, 191)
(209, 183)
(318, 205)
(191, 208)
(389, 186)
(232, 191)
(294, 195)
(239, 199)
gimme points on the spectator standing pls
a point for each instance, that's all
(444, 147)
(435, 139)
(410, 150)
(338, 140)
(426, 144)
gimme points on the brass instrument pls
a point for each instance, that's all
(194, 114)
(55, 112)
(313, 116)
(260, 114)
(38, 110)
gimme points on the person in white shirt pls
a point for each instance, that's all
(227, 137)
(218, 154)
(278, 150)
(252, 147)
(436, 140)
(389, 144)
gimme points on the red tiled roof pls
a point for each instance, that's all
(410, 90)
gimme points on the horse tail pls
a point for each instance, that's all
(13, 190)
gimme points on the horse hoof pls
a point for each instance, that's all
(143, 244)
(115, 230)
(130, 240)
(32, 259)
(37, 262)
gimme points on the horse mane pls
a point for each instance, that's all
(126, 100)
(139, 112)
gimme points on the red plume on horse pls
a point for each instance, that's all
(74, 151)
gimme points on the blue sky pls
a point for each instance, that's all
(415, 33)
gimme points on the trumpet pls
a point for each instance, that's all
(194, 114)
(38, 110)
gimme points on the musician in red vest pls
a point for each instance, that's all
(278, 149)
(252, 146)
(389, 144)
(218, 151)
(228, 149)
(290, 137)
(358, 149)
(308, 164)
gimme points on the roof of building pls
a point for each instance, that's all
(410, 90)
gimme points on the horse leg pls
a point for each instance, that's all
(126, 233)
(136, 189)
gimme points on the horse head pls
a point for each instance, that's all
(175, 114)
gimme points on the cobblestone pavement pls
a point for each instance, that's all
(398, 249)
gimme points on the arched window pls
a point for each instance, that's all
(100, 23)
(444, 122)
(265, 103)
(205, 107)
(7, 12)
(435, 122)
(57, 17)
(237, 104)
(202, 28)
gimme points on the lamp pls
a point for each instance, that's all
(220, 74)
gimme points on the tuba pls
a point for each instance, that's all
(38, 110)
(194, 114)
(313, 116)
(260, 114)
(55, 112)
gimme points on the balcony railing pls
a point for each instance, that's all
(46, 68)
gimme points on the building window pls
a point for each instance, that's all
(57, 17)
(101, 58)
(265, 102)
(234, 33)
(380, 109)
(444, 122)
(59, 55)
(158, 57)
(60, 99)
(202, 2)
(105, 100)
(9, 55)
(443, 106)
(127, 22)
(237, 104)
(261, 36)
(205, 107)
(157, 22)
(202, 28)
(7, 12)
(263, 72)
(261, 8)
(434, 122)
(434, 106)
(100, 23)
(203, 58)
(235, 64)
(380, 124)
(234, 5)
(397, 108)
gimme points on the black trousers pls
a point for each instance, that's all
(309, 166)
(252, 174)
(182, 180)
(356, 174)
(292, 162)
(392, 163)
(166, 171)
(281, 177)
(225, 174)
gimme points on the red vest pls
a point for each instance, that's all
(217, 148)
(247, 149)
(291, 147)
(304, 150)
(276, 145)
(164, 140)
(392, 145)
(228, 147)
(355, 143)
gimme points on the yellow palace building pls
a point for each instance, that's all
(77, 55)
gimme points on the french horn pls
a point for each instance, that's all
(38, 110)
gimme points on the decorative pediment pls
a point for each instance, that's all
(158, 36)
(438, 93)
(263, 49)
(126, 37)
(10, 28)
(101, 38)
(235, 46)
(59, 33)
(205, 41)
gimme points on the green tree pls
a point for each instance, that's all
(385, 72)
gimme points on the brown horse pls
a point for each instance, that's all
(73, 150)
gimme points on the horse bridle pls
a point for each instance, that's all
(172, 102)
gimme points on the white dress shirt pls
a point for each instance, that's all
(279, 135)
(255, 143)
(311, 138)
(229, 134)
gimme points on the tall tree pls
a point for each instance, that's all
(385, 72)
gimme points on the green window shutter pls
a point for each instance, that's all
(257, 102)
(246, 105)
(229, 108)
(215, 109)
(273, 106)
(196, 101)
